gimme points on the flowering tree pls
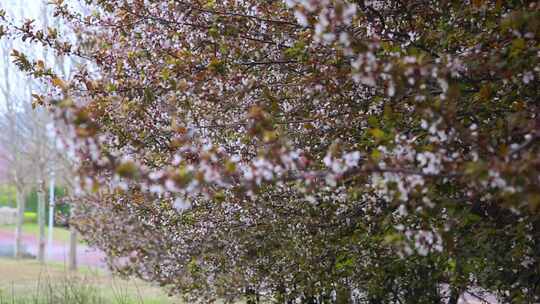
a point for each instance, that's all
(314, 151)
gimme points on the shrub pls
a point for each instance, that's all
(32, 205)
(30, 217)
(7, 196)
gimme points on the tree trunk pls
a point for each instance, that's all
(454, 297)
(41, 223)
(72, 248)
(20, 222)
(343, 294)
(455, 287)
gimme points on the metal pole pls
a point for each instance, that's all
(72, 248)
(51, 215)
(72, 240)
(41, 222)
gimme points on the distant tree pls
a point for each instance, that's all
(29, 146)
(18, 171)
(319, 151)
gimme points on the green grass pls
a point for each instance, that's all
(30, 217)
(59, 234)
(29, 282)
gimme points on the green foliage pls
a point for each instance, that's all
(32, 204)
(8, 196)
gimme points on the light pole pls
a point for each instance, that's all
(41, 221)
(51, 214)
(72, 241)
(51, 136)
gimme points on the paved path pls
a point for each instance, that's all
(86, 256)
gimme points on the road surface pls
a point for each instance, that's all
(86, 256)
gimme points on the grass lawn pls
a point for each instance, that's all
(27, 281)
(59, 234)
